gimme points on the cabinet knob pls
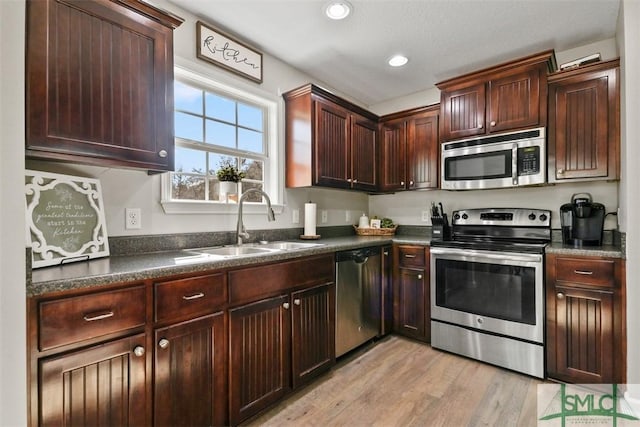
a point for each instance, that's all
(355, 181)
(493, 123)
(560, 295)
(410, 182)
(348, 179)
(560, 171)
(139, 351)
(419, 276)
(286, 305)
(480, 126)
(402, 183)
(297, 301)
(162, 153)
(163, 343)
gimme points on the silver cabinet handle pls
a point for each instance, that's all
(583, 272)
(493, 123)
(409, 256)
(163, 343)
(402, 183)
(162, 153)
(139, 351)
(419, 276)
(286, 306)
(194, 296)
(385, 253)
(560, 295)
(297, 301)
(101, 316)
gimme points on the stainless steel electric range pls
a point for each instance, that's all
(487, 287)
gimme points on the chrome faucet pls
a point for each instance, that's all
(241, 232)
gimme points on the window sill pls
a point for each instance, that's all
(214, 208)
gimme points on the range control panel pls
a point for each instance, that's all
(509, 217)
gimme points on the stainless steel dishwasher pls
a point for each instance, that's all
(358, 297)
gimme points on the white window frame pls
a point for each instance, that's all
(272, 182)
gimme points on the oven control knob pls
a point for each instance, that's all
(456, 216)
(532, 216)
(465, 216)
(543, 217)
(479, 320)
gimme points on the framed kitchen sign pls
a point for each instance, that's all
(65, 218)
(224, 51)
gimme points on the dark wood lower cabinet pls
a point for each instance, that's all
(411, 310)
(313, 332)
(585, 319)
(260, 356)
(190, 373)
(101, 385)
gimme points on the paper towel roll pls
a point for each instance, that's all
(309, 219)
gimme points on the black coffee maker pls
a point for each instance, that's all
(582, 221)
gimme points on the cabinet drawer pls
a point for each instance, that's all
(411, 256)
(190, 297)
(73, 319)
(596, 272)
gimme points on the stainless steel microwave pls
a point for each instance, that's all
(510, 159)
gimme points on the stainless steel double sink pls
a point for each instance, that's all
(234, 251)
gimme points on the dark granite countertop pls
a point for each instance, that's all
(131, 268)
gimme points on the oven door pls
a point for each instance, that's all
(496, 292)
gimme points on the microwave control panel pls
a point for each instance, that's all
(528, 160)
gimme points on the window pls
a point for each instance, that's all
(217, 126)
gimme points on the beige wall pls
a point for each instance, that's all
(13, 370)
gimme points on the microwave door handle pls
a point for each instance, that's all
(514, 163)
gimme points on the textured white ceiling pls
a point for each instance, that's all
(442, 38)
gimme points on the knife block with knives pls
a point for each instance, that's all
(440, 229)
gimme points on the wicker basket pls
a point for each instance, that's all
(376, 231)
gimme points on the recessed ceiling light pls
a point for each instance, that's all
(338, 9)
(398, 60)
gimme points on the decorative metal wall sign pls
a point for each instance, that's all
(65, 218)
(224, 51)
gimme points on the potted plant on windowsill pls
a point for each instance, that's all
(229, 176)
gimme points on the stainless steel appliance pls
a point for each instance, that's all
(582, 221)
(487, 287)
(506, 160)
(358, 297)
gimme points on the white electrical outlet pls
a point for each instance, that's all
(324, 216)
(347, 216)
(133, 219)
(426, 215)
(295, 216)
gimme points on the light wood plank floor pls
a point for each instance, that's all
(399, 382)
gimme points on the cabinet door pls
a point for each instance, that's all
(422, 158)
(583, 129)
(190, 375)
(364, 154)
(101, 385)
(514, 101)
(99, 85)
(409, 303)
(463, 112)
(260, 356)
(332, 161)
(393, 156)
(580, 335)
(313, 332)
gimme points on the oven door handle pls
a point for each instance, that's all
(502, 256)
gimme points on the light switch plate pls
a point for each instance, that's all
(324, 216)
(425, 216)
(295, 216)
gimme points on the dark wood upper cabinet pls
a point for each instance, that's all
(585, 319)
(329, 141)
(584, 123)
(100, 83)
(409, 150)
(505, 97)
